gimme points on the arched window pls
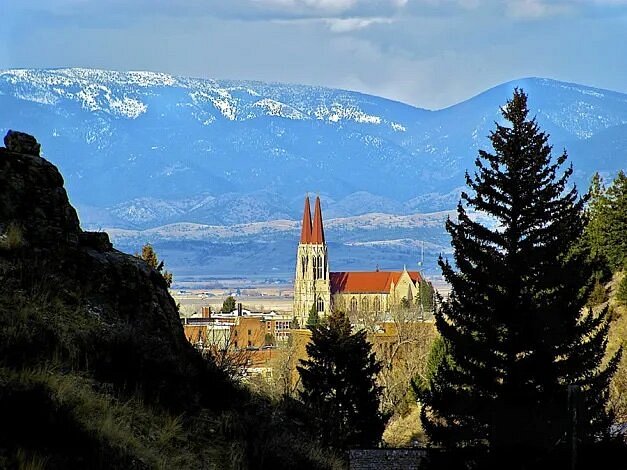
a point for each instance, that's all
(364, 304)
(320, 267)
(315, 267)
(377, 304)
(303, 263)
(320, 304)
(353, 305)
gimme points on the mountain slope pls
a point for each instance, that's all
(143, 150)
(161, 136)
(142, 140)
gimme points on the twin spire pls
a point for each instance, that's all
(312, 235)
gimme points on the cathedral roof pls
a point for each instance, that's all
(317, 233)
(360, 282)
(305, 232)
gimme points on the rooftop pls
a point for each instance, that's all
(367, 282)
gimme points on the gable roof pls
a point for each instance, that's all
(365, 282)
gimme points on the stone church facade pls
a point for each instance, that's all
(355, 292)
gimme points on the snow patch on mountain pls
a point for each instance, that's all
(129, 107)
(275, 108)
(338, 112)
(398, 127)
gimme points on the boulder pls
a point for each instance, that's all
(20, 142)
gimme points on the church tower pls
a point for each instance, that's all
(311, 285)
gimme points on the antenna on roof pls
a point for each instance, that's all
(422, 254)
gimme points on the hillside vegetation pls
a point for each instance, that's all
(95, 371)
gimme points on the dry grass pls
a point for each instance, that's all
(405, 431)
(148, 435)
(617, 338)
(12, 238)
(28, 461)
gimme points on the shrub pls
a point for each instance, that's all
(621, 294)
(12, 238)
(598, 295)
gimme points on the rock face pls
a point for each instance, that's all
(20, 142)
(32, 196)
(140, 342)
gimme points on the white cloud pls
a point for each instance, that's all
(535, 9)
(606, 2)
(320, 5)
(344, 25)
(329, 6)
(431, 53)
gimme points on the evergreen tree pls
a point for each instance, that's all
(435, 362)
(616, 222)
(340, 394)
(621, 293)
(149, 255)
(594, 233)
(426, 296)
(596, 212)
(514, 325)
(313, 320)
(607, 222)
(229, 304)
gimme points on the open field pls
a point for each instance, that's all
(256, 295)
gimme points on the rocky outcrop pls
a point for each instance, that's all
(20, 142)
(95, 371)
(140, 342)
(33, 198)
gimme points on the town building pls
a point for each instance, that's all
(370, 293)
(238, 329)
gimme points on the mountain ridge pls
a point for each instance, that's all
(142, 150)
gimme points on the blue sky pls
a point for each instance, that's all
(429, 53)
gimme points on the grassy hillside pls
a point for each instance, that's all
(95, 371)
(617, 339)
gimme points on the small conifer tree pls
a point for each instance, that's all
(616, 222)
(621, 294)
(149, 255)
(426, 296)
(340, 393)
(313, 320)
(228, 305)
(607, 222)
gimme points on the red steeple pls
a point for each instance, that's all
(305, 232)
(317, 234)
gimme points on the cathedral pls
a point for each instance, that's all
(367, 292)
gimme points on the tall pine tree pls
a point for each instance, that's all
(340, 393)
(615, 215)
(514, 324)
(607, 222)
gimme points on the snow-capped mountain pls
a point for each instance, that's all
(145, 148)
(140, 150)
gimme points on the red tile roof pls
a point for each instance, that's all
(317, 233)
(360, 282)
(305, 232)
